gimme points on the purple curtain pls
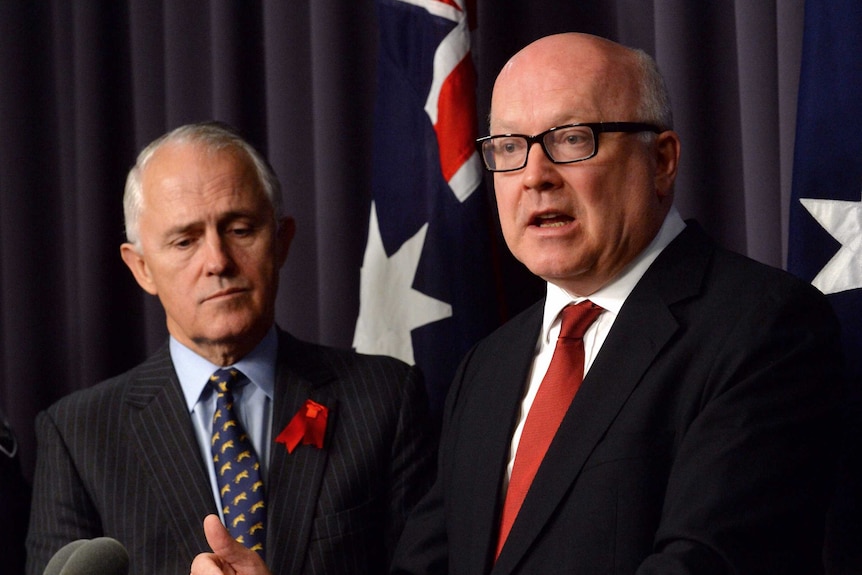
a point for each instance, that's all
(84, 85)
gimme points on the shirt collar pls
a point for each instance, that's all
(612, 296)
(194, 371)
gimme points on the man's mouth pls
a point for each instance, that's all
(224, 293)
(551, 220)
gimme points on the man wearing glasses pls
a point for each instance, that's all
(698, 433)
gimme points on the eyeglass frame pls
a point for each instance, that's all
(595, 127)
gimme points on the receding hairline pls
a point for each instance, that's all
(653, 101)
(211, 137)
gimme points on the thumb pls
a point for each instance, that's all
(230, 552)
(220, 541)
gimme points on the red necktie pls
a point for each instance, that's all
(558, 387)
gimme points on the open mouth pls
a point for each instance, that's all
(551, 220)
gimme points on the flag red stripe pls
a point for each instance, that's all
(450, 3)
(456, 118)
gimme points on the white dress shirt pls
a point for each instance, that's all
(610, 297)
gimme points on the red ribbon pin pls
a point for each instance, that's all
(308, 427)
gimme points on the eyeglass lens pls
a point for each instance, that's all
(565, 144)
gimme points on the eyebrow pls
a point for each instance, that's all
(227, 217)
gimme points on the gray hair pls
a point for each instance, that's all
(215, 136)
(655, 105)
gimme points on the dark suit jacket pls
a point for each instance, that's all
(700, 442)
(120, 459)
(14, 501)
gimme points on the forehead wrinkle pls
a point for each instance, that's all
(213, 174)
(219, 219)
(194, 186)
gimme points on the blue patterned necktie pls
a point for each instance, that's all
(237, 468)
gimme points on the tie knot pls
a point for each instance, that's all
(578, 318)
(224, 380)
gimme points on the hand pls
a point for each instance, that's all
(228, 557)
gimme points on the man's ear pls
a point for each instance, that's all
(283, 238)
(136, 263)
(667, 150)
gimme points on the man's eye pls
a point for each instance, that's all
(182, 243)
(572, 137)
(241, 231)
(508, 147)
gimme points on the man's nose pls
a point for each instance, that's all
(540, 172)
(218, 257)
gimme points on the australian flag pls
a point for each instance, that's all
(428, 288)
(825, 234)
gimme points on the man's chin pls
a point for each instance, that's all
(231, 340)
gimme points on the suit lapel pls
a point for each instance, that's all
(295, 478)
(644, 326)
(169, 451)
(486, 415)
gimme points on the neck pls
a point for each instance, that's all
(224, 352)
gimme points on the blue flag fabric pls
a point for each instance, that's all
(428, 285)
(825, 233)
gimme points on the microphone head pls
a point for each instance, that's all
(99, 556)
(62, 556)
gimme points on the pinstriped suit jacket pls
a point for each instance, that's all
(120, 459)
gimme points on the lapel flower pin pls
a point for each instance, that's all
(308, 427)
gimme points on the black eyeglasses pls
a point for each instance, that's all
(562, 144)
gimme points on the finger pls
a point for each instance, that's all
(233, 557)
(220, 541)
(209, 564)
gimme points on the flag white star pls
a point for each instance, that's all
(843, 220)
(389, 307)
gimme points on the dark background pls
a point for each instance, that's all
(85, 85)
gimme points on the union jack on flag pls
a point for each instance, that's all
(427, 281)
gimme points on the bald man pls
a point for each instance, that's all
(701, 438)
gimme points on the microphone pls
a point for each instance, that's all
(60, 557)
(99, 556)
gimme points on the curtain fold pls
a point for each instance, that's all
(86, 85)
